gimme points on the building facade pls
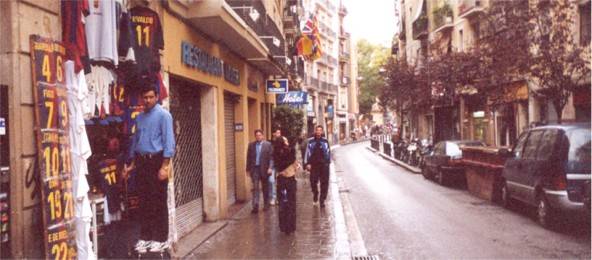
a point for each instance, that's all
(216, 58)
(322, 75)
(471, 115)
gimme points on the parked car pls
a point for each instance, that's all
(445, 161)
(549, 168)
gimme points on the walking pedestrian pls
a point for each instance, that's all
(317, 161)
(152, 147)
(284, 156)
(258, 168)
(272, 188)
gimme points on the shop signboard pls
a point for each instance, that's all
(292, 98)
(277, 86)
(53, 147)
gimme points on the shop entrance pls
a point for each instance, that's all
(229, 115)
(187, 163)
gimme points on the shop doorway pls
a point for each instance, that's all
(230, 101)
(188, 164)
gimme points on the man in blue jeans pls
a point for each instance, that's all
(259, 168)
(317, 161)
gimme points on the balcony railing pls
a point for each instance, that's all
(468, 8)
(343, 57)
(442, 18)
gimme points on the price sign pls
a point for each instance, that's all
(53, 147)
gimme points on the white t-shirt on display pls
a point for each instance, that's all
(101, 31)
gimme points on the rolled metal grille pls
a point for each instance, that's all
(230, 148)
(187, 163)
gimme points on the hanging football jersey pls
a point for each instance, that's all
(101, 31)
(110, 183)
(135, 106)
(73, 31)
(146, 39)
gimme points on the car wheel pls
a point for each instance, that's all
(440, 177)
(506, 199)
(545, 214)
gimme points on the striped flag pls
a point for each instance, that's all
(309, 44)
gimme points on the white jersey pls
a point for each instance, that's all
(101, 31)
(80, 152)
(99, 97)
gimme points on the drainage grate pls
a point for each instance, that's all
(366, 257)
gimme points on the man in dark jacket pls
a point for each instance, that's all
(317, 161)
(258, 168)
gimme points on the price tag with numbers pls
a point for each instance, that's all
(53, 147)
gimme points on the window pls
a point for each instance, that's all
(519, 146)
(585, 24)
(461, 40)
(531, 145)
(579, 152)
(547, 144)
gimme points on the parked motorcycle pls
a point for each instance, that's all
(400, 149)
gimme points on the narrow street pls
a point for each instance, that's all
(403, 216)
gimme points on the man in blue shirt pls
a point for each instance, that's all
(259, 168)
(152, 147)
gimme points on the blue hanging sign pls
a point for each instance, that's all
(277, 86)
(292, 98)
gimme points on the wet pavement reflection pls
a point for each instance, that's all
(258, 235)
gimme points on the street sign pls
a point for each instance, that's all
(277, 86)
(292, 98)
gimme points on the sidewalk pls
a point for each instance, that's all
(320, 233)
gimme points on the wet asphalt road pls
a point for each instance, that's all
(403, 216)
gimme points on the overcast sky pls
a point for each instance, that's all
(373, 20)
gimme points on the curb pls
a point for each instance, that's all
(346, 224)
(187, 244)
(413, 169)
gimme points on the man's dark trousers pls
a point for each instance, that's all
(258, 176)
(153, 210)
(319, 172)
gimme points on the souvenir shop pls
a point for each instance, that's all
(111, 51)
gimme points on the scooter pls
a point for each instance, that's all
(425, 149)
(412, 148)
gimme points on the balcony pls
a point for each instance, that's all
(443, 19)
(468, 9)
(213, 17)
(345, 81)
(343, 57)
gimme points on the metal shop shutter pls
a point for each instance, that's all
(229, 102)
(187, 163)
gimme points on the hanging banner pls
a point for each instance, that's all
(277, 86)
(292, 98)
(53, 147)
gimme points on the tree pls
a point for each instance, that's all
(370, 59)
(290, 121)
(559, 65)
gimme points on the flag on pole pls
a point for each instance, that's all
(309, 44)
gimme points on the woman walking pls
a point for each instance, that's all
(284, 158)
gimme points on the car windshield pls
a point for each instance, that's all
(578, 158)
